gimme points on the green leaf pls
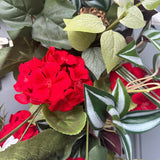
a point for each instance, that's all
(42, 125)
(122, 98)
(94, 61)
(70, 122)
(19, 13)
(156, 64)
(49, 144)
(96, 102)
(111, 43)
(23, 50)
(48, 27)
(100, 4)
(154, 36)
(98, 152)
(85, 23)
(80, 40)
(133, 19)
(77, 3)
(125, 3)
(141, 121)
(150, 4)
(127, 145)
(130, 54)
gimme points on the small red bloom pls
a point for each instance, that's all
(15, 120)
(57, 79)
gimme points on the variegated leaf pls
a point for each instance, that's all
(141, 121)
(122, 98)
(130, 54)
(156, 64)
(154, 37)
(96, 102)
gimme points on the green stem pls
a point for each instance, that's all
(39, 108)
(116, 21)
(87, 140)
(18, 127)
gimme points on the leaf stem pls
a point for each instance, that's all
(87, 140)
(39, 109)
(116, 21)
(18, 127)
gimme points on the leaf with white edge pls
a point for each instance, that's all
(70, 122)
(85, 23)
(94, 61)
(77, 3)
(127, 145)
(156, 19)
(50, 23)
(150, 4)
(154, 37)
(100, 4)
(133, 19)
(81, 40)
(122, 98)
(98, 152)
(96, 102)
(141, 121)
(156, 65)
(111, 43)
(130, 54)
(18, 13)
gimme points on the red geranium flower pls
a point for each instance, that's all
(57, 79)
(15, 120)
(142, 102)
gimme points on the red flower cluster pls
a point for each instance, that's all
(57, 79)
(16, 120)
(142, 102)
(75, 158)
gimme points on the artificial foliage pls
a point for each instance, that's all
(78, 66)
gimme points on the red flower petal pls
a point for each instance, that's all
(22, 98)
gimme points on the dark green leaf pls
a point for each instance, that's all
(19, 13)
(94, 61)
(48, 145)
(98, 153)
(100, 4)
(77, 3)
(130, 54)
(96, 103)
(42, 125)
(70, 122)
(48, 27)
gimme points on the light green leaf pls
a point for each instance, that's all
(96, 102)
(100, 4)
(125, 3)
(70, 122)
(127, 145)
(48, 27)
(98, 153)
(154, 36)
(111, 43)
(122, 98)
(49, 145)
(150, 4)
(133, 19)
(94, 61)
(85, 23)
(81, 40)
(18, 13)
(141, 121)
(130, 54)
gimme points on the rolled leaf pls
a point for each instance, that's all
(130, 54)
(141, 121)
(96, 102)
